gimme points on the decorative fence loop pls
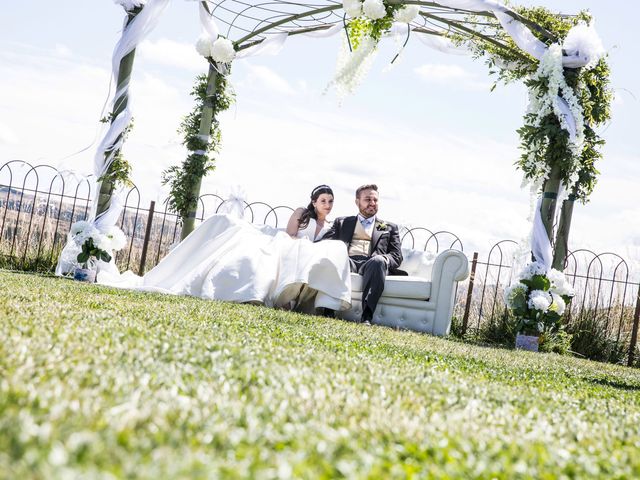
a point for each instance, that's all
(38, 204)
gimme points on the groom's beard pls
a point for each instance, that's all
(368, 211)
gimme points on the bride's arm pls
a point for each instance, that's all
(294, 222)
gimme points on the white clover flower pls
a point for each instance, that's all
(540, 300)
(512, 291)
(353, 8)
(558, 304)
(204, 45)
(374, 9)
(407, 14)
(222, 50)
(130, 4)
(116, 237)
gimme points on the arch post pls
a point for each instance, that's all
(562, 235)
(107, 185)
(549, 200)
(207, 118)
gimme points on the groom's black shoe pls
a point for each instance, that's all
(367, 316)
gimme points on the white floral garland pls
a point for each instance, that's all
(354, 63)
(542, 103)
(353, 66)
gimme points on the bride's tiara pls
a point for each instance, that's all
(321, 189)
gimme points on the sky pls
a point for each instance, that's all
(440, 145)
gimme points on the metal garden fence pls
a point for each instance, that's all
(38, 204)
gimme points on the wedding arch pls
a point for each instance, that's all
(559, 58)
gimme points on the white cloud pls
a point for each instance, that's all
(265, 78)
(172, 54)
(279, 150)
(450, 74)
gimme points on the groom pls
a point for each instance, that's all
(374, 247)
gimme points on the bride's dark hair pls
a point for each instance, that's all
(310, 211)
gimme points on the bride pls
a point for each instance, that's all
(227, 258)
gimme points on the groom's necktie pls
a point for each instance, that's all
(366, 222)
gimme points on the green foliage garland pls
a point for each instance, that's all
(547, 144)
(119, 171)
(360, 27)
(181, 178)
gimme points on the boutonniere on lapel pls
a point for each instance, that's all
(381, 227)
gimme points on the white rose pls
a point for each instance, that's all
(222, 50)
(558, 304)
(116, 237)
(102, 242)
(407, 14)
(353, 8)
(374, 9)
(204, 45)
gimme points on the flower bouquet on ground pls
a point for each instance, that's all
(538, 300)
(96, 245)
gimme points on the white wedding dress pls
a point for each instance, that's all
(227, 258)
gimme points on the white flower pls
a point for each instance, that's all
(558, 304)
(540, 300)
(102, 242)
(512, 291)
(407, 14)
(559, 283)
(222, 50)
(130, 4)
(81, 231)
(353, 8)
(204, 45)
(116, 238)
(353, 66)
(374, 9)
(533, 268)
(80, 227)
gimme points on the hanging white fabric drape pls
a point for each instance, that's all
(132, 34)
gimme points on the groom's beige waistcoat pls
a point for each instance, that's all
(361, 241)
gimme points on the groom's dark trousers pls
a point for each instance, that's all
(373, 271)
(385, 256)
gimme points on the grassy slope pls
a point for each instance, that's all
(100, 381)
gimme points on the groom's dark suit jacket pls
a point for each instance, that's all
(385, 240)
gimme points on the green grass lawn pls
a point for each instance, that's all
(101, 383)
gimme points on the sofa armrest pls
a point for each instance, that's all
(451, 266)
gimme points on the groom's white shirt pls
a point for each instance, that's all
(367, 224)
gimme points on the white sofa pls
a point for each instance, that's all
(422, 301)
